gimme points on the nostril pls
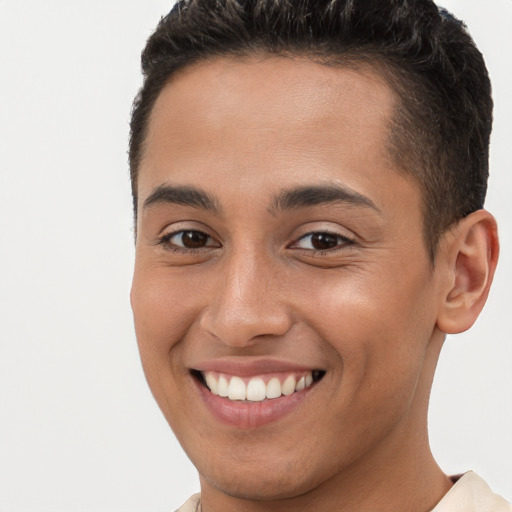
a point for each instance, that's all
(242, 327)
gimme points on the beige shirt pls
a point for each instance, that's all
(469, 494)
(192, 504)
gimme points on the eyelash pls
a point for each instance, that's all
(166, 238)
(342, 242)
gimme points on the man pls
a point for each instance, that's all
(308, 181)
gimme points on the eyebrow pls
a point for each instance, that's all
(295, 198)
(302, 197)
(183, 195)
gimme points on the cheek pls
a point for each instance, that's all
(161, 318)
(163, 313)
(161, 310)
(378, 324)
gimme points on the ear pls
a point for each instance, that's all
(468, 261)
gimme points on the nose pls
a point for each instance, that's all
(247, 301)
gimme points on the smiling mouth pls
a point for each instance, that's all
(257, 388)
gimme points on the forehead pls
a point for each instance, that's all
(246, 130)
(265, 81)
(238, 107)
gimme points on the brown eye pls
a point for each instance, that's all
(188, 239)
(322, 241)
(194, 239)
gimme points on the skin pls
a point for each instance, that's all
(371, 311)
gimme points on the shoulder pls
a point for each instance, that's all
(471, 494)
(191, 505)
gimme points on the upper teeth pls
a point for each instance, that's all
(256, 389)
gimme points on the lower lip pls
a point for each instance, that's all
(247, 414)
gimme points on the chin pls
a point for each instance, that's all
(256, 473)
(261, 485)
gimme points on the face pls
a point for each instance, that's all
(284, 301)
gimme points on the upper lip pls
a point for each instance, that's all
(247, 367)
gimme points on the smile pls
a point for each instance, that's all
(258, 388)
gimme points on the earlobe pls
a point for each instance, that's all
(471, 254)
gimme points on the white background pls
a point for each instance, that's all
(78, 428)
